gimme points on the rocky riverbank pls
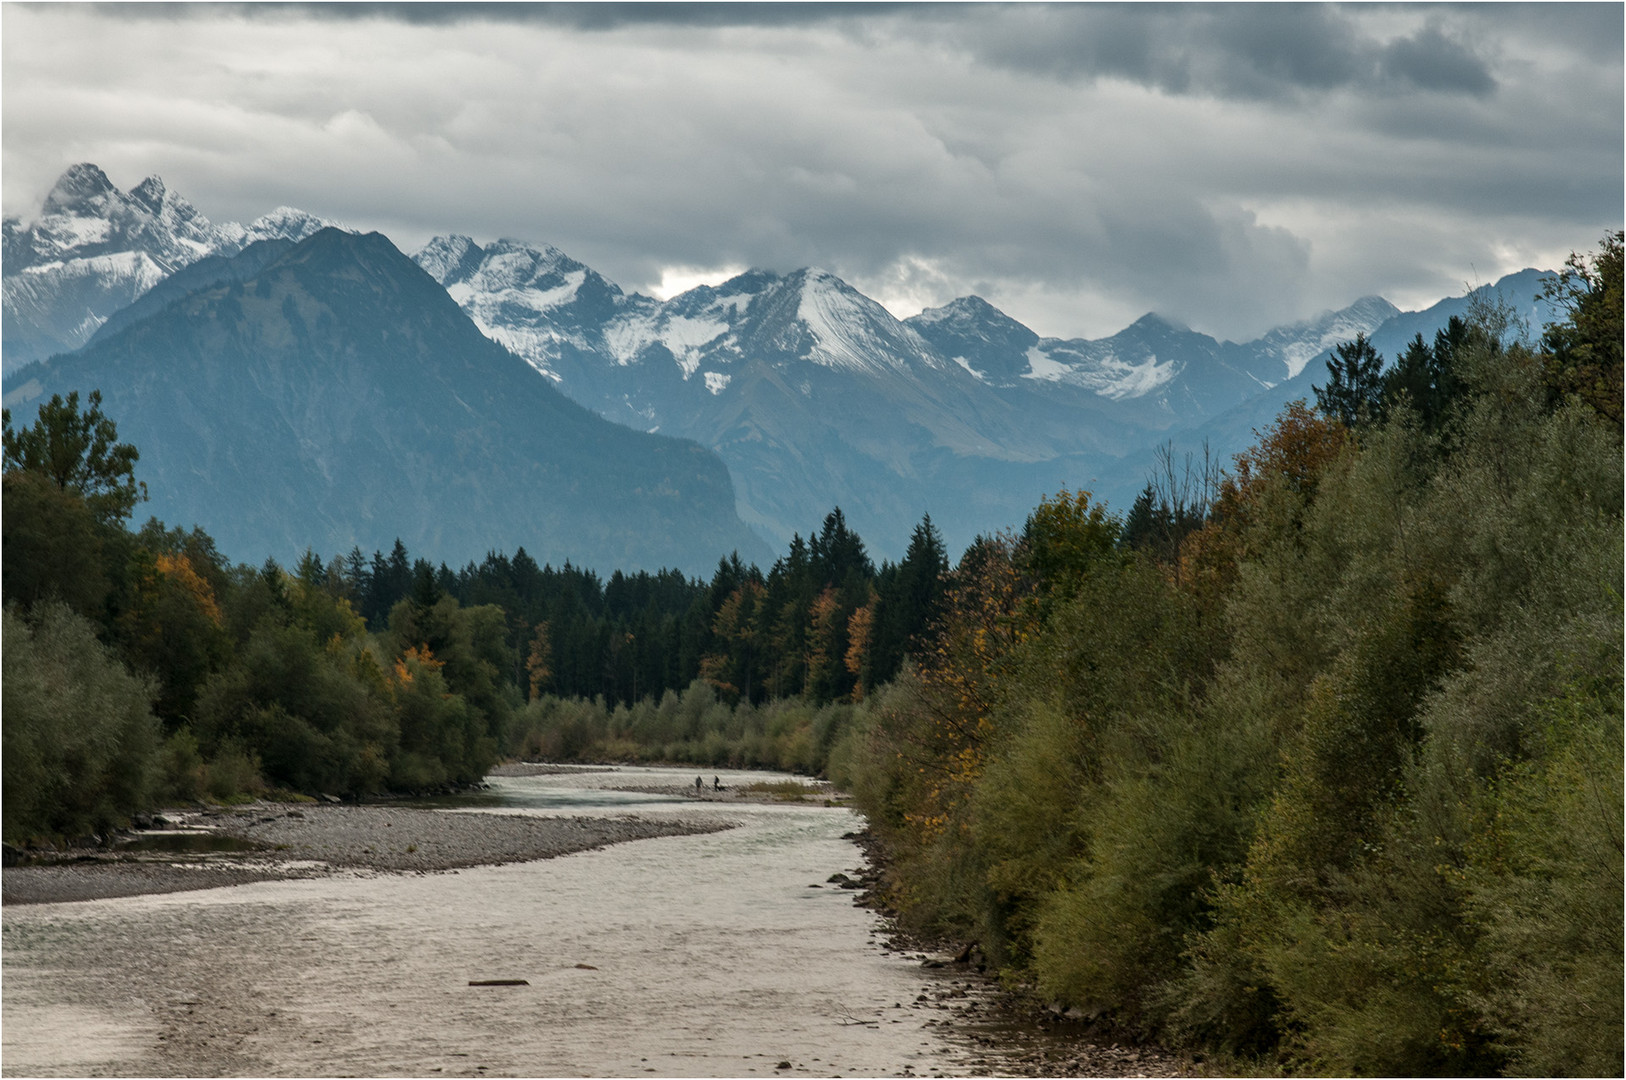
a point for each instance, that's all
(278, 841)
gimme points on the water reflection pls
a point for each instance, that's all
(705, 955)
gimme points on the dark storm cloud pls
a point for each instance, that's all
(1262, 52)
(1431, 61)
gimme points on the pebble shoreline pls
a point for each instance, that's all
(304, 840)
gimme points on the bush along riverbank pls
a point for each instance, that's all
(1007, 1028)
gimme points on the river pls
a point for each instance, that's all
(707, 955)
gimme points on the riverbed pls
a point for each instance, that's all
(728, 953)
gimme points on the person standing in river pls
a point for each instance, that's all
(698, 784)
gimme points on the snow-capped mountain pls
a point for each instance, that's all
(980, 338)
(1296, 344)
(94, 249)
(551, 309)
(1188, 373)
(538, 302)
(813, 394)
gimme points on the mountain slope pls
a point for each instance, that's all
(339, 397)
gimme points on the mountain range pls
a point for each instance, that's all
(816, 395)
(812, 394)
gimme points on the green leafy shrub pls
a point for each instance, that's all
(80, 741)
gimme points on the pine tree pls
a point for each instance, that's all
(1354, 393)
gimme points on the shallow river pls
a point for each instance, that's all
(701, 955)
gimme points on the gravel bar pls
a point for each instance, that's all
(313, 840)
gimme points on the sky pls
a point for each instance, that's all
(1230, 167)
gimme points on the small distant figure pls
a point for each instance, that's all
(698, 784)
(716, 783)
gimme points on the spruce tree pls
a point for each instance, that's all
(1354, 392)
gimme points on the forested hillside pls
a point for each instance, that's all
(1315, 760)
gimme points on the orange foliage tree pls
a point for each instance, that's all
(1291, 455)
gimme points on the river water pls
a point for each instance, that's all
(706, 955)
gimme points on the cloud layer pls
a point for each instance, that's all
(1232, 167)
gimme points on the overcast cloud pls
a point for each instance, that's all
(1078, 165)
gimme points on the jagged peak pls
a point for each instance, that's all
(973, 309)
(753, 280)
(449, 258)
(973, 304)
(150, 194)
(77, 185)
(453, 242)
(818, 277)
(523, 260)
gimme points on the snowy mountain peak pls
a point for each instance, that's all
(288, 223)
(449, 258)
(849, 330)
(537, 301)
(979, 337)
(1152, 322)
(962, 310)
(149, 194)
(1296, 344)
(82, 186)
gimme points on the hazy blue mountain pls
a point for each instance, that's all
(94, 249)
(337, 396)
(1521, 292)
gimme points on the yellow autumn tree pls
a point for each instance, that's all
(860, 631)
(539, 661)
